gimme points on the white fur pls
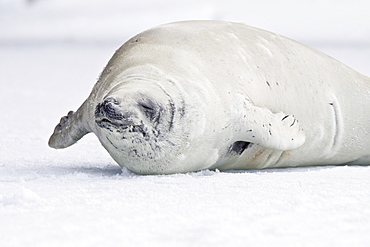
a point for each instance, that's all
(231, 82)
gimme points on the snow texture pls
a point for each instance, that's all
(51, 53)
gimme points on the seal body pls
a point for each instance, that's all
(199, 95)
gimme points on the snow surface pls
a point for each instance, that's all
(51, 53)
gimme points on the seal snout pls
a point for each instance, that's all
(109, 108)
(109, 113)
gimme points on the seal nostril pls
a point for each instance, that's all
(112, 112)
(111, 100)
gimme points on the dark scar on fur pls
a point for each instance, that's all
(239, 146)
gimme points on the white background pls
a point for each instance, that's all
(52, 51)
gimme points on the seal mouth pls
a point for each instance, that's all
(109, 123)
(106, 123)
(123, 126)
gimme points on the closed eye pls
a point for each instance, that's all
(149, 110)
(146, 107)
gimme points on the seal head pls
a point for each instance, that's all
(136, 128)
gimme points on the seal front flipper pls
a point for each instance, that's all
(277, 131)
(70, 129)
